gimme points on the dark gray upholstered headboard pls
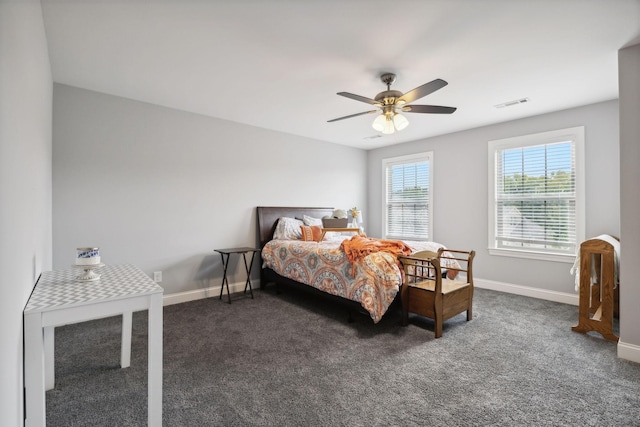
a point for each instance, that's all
(268, 218)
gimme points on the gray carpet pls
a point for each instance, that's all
(291, 360)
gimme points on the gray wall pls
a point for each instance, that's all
(161, 188)
(25, 184)
(629, 80)
(461, 189)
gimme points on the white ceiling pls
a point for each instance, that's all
(278, 64)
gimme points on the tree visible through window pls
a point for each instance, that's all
(536, 197)
(408, 197)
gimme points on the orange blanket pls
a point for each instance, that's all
(359, 247)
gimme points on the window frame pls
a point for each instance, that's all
(426, 156)
(575, 135)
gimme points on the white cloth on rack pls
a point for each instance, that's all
(575, 269)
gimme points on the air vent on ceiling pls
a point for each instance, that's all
(373, 137)
(511, 103)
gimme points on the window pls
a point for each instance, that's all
(407, 196)
(536, 195)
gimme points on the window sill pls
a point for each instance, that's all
(540, 256)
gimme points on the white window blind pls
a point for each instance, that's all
(536, 201)
(408, 197)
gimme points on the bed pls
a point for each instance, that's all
(372, 283)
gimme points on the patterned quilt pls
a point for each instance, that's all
(373, 283)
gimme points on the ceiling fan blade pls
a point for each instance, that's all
(359, 98)
(423, 90)
(433, 109)
(352, 115)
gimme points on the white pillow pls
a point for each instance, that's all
(331, 235)
(309, 220)
(288, 229)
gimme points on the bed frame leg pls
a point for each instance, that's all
(350, 317)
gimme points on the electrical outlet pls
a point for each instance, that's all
(157, 276)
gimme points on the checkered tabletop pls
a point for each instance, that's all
(60, 288)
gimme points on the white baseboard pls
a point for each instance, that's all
(527, 291)
(629, 352)
(212, 291)
(572, 299)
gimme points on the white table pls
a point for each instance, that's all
(58, 299)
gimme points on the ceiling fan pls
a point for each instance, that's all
(392, 102)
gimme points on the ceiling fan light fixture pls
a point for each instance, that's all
(400, 122)
(379, 123)
(389, 128)
(384, 123)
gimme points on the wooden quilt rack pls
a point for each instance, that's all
(599, 294)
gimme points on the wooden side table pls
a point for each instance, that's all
(225, 264)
